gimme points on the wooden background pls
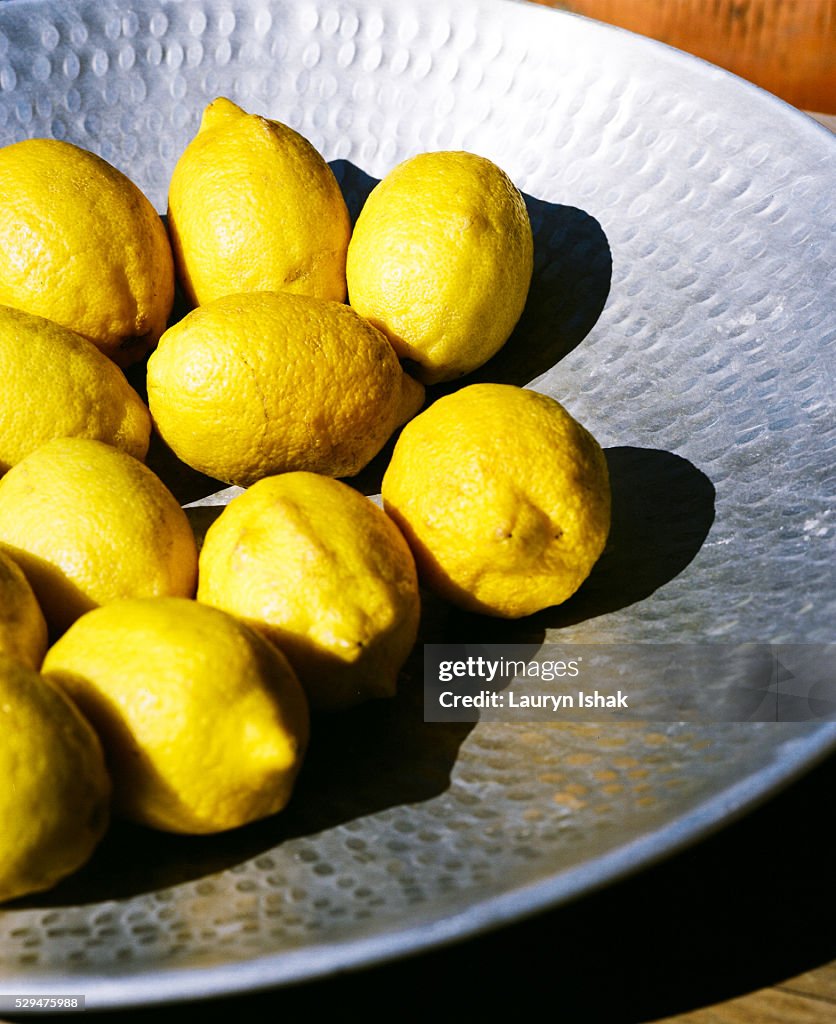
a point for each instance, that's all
(785, 46)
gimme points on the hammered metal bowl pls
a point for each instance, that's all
(682, 308)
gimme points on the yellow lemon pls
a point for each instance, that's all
(252, 206)
(80, 244)
(203, 721)
(441, 260)
(23, 634)
(503, 497)
(267, 382)
(58, 384)
(89, 524)
(324, 574)
(55, 796)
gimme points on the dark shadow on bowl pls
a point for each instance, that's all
(182, 303)
(662, 511)
(355, 185)
(370, 478)
(569, 288)
(201, 517)
(185, 483)
(182, 306)
(137, 375)
(663, 508)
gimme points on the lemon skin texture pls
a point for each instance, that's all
(441, 260)
(80, 244)
(23, 631)
(203, 721)
(252, 206)
(323, 573)
(89, 524)
(503, 497)
(55, 797)
(58, 384)
(262, 383)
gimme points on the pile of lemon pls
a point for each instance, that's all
(178, 683)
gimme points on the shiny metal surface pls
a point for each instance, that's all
(682, 309)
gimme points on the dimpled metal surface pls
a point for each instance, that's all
(682, 309)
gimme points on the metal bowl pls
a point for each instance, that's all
(682, 309)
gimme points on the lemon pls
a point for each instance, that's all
(252, 206)
(80, 244)
(203, 721)
(267, 382)
(503, 497)
(89, 524)
(441, 260)
(23, 634)
(58, 384)
(324, 574)
(55, 797)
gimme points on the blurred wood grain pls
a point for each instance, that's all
(785, 46)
